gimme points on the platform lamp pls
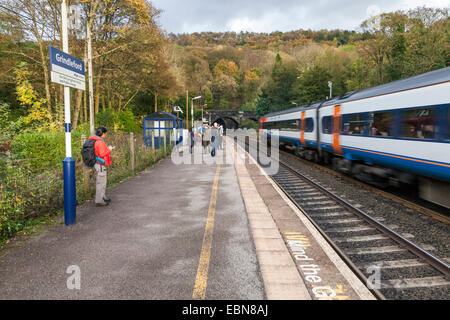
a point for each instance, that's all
(192, 110)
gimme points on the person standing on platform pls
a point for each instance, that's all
(102, 161)
(206, 137)
(191, 138)
(202, 131)
(214, 138)
(221, 137)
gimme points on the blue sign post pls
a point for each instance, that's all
(68, 71)
(70, 191)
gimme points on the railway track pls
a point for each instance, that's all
(391, 263)
(411, 205)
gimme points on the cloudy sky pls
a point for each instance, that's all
(187, 16)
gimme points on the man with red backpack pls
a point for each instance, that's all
(102, 161)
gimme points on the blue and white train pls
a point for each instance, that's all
(394, 133)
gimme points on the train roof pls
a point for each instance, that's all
(421, 80)
(301, 108)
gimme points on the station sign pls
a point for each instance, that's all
(66, 69)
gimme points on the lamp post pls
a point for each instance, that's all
(192, 110)
(330, 85)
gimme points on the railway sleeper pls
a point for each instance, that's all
(356, 229)
(394, 264)
(368, 238)
(383, 250)
(426, 282)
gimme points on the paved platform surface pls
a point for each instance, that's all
(145, 245)
(211, 230)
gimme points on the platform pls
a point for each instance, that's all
(183, 231)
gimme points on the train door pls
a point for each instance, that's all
(261, 123)
(337, 124)
(302, 128)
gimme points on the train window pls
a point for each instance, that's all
(382, 124)
(269, 125)
(354, 124)
(309, 125)
(288, 125)
(291, 125)
(285, 125)
(327, 125)
(419, 123)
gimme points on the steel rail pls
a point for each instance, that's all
(411, 205)
(341, 253)
(377, 293)
(434, 261)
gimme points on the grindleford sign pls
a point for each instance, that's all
(66, 69)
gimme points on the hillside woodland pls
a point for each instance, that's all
(139, 68)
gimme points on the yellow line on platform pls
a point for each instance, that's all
(203, 264)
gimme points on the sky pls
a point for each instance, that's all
(188, 16)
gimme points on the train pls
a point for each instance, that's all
(393, 134)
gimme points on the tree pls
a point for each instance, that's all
(263, 106)
(38, 117)
(226, 67)
(393, 27)
(311, 86)
(250, 84)
(224, 87)
(278, 88)
(196, 72)
(427, 40)
(31, 14)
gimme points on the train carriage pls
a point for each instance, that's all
(295, 128)
(398, 132)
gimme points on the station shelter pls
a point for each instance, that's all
(161, 124)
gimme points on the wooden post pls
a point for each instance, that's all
(85, 172)
(165, 141)
(174, 137)
(153, 140)
(132, 151)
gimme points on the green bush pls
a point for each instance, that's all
(44, 149)
(106, 118)
(83, 128)
(123, 120)
(10, 123)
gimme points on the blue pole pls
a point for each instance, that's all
(70, 201)
(70, 194)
